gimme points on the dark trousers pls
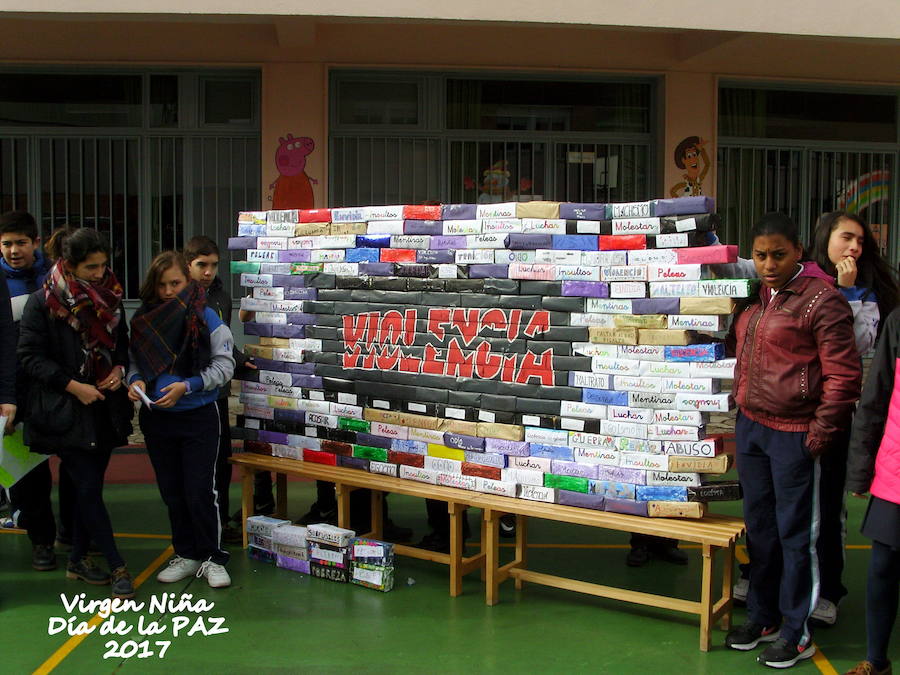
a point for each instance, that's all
(31, 497)
(881, 601)
(360, 505)
(183, 447)
(781, 487)
(439, 519)
(86, 469)
(66, 510)
(651, 542)
(223, 466)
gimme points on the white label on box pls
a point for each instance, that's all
(723, 369)
(644, 460)
(417, 407)
(635, 226)
(546, 436)
(488, 241)
(287, 451)
(345, 410)
(384, 227)
(587, 227)
(426, 435)
(626, 414)
(672, 478)
(674, 289)
(474, 256)
(627, 289)
(486, 416)
(643, 352)
(675, 432)
(703, 402)
(495, 487)
(251, 423)
(456, 480)
(367, 551)
(683, 417)
(616, 366)
(256, 388)
(344, 397)
(704, 448)
(318, 396)
(551, 256)
(590, 380)
(711, 322)
(452, 227)
(306, 344)
(543, 226)
(389, 431)
(586, 440)
(455, 413)
(267, 293)
(498, 225)
(383, 468)
(536, 271)
(317, 553)
(531, 420)
(353, 214)
(604, 258)
(577, 273)
(632, 210)
(279, 318)
(256, 305)
(337, 241)
(274, 268)
(690, 385)
(570, 424)
(442, 464)
(523, 476)
(608, 306)
(677, 240)
(668, 369)
(374, 577)
(673, 272)
(663, 256)
(287, 305)
(272, 243)
(421, 475)
(686, 225)
(590, 349)
(629, 429)
(503, 210)
(414, 241)
(253, 280)
(531, 463)
(303, 242)
(262, 255)
(652, 385)
(585, 410)
(394, 212)
(537, 493)
(602, 320)
(329, 421)
(447, 271)
(504, 257)
(598, 456)
(263, 412)
(624, 273)
(327, 255)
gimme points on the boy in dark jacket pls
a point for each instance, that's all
(202, 255)
(25, 268)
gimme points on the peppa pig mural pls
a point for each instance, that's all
(293, 188)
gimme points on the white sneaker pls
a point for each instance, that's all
(740, 589)
(216, 575)
(179, 568)
(825, 611)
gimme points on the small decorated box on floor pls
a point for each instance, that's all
(290, 541)
(338, 574)
(259, 533)
(372, 552)
(379, 577)
(330, 534)
(293, 564)
(326, 554)
(260, 554)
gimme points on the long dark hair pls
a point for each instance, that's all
(165, 260)
(872, 270)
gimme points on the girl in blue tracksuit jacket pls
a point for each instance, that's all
(181, 354)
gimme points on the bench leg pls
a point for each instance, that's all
(246, 500)
(706, 602)
(377, 513)
(727, 589)
(482, 544)
(457, 513)
(492, 556)
(342, 492)
(521, 546)
(281, 494)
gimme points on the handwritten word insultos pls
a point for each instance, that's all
(455, 344)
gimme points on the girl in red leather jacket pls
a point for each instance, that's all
(796, 380)
(874, 466)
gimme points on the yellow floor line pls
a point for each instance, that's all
(123, 535)
(822, 663)
(740, 552)
(70, 644)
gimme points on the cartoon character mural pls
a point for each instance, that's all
(689, 154)
(293, 188)
(495, 186)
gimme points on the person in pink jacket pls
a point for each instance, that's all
(873, 466)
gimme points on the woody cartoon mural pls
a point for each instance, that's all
(293, 188)
(690, 154)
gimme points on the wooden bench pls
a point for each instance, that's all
(713, 533)
(347, 480)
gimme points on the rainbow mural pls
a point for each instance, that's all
(864, 191)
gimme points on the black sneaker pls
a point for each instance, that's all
(317, 516)
(122, 584)
(747, 636)
(87, 571)
(439, 543)
(638, 556)
(233, 536)
(508, 526)
(266, 508)
(670, 554)
(43, 558)
(784, 654)
(393, 532)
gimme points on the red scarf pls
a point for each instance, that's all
(92, 310)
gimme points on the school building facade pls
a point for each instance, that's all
(155, 124)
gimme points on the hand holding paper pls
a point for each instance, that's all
(136, 393)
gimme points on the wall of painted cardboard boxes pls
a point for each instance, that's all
(556, 352)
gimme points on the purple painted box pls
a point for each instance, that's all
(378, 269)
(423, 227)
(373, 440)
(564, 468)
(301, 293)
(292, 564)
(434, 257)
(494, 459)
(288, 331)
(656, 306)
(260, 554)
(622, 475)
(527, 242)
(685, 206)
(575, 242)
(272, 437)
(580, 499)
(575, 211)
(301, 318)
(294, 255)
(552, 451)
(354, 462)
(515, 448)
(241, 243)
(449, 242)
(308, 381)
(291, 280)
(285, 366)
(628, 506)
(298, 416)
(459, 211)
(488, 271)
(463, 442)
(585, 289)
(260, 329)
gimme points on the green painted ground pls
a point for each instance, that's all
(279, 621)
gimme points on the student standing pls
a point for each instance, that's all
(202, 256)
(181, 357)
(874, 466)
(73, 345)
(796, 380)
